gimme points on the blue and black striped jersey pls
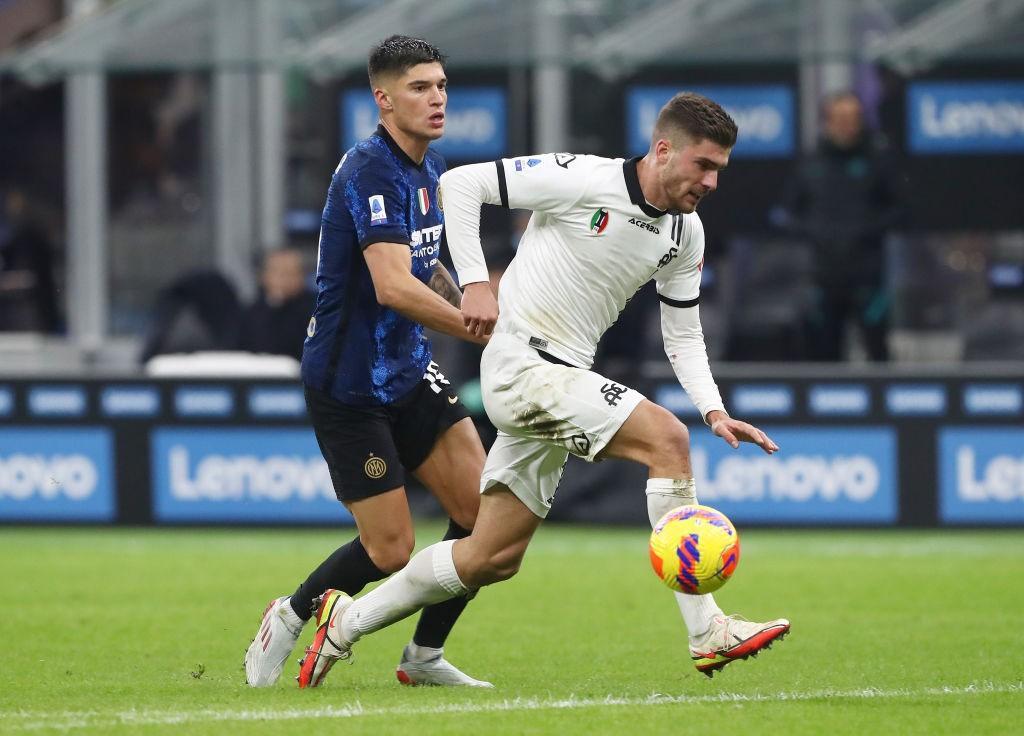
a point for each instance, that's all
(357, 350)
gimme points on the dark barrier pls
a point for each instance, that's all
(871, 449)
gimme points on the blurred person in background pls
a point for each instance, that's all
(380, 406)
(28, 293)
(198, 311)
(276, 321)
(844, 199)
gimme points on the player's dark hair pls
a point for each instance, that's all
(698, 118)
(398, 54)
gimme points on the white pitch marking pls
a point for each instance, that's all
(70, 720)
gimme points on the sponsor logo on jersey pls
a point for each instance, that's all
(599, 221)
(539, 343)
(644, 225)
(519, 164)
(531, 162)
(378, 215)
(375, 467)
(667, 258)
(562, 159)
(423, 199)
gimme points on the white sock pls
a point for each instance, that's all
(663, 495)
(430, 577)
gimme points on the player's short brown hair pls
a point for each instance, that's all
(696, 117)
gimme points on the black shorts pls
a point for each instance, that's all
(369, 448)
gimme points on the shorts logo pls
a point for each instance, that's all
(435, 378)
(613, 392)
(424, 200)
(375, 467)
(580, 445)
(599, 221)
(564, 159)
(378, 215)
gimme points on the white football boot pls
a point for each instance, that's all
(434, 671)
(731, 638)
(274, 641)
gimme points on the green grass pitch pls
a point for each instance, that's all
(143, 632)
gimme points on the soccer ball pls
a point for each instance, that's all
(694, 549)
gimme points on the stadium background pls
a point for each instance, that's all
(152, 139)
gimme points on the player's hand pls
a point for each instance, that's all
(734, 431)
(479, 309)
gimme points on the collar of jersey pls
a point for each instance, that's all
(397, 149)
(636, 194)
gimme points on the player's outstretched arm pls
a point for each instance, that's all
(734, 431)
(390, 267)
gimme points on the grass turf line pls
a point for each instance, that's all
(154, 623)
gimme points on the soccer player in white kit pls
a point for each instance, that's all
(601, 228)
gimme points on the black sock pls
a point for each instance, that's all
(348, 569)
(436, 621)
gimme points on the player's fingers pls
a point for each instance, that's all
(730, 438)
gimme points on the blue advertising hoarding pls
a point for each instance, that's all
(820, 475)
(241, 475)
(57, 474)
(965, 117)
(981, 475)
(474, 129)
(764, 114)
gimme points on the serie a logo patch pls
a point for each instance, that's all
(378, 215)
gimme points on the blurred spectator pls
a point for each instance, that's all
(843, 200)
(276, 322)
(28, 298)
(197, 312)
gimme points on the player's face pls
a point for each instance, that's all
(418, 99)
(688, 172)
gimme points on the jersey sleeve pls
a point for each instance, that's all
(679, 282)
(374, 196)
(550, 182)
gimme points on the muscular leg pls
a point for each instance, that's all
(491, 553)
(653, 436)
(452, 473)
(383, 546)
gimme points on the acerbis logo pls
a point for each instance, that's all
(800, 478)
(216, 477)
(650, 226)
(24, 476)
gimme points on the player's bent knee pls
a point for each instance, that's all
(390, 555)
(498, 567)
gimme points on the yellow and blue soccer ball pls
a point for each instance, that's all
(694, 549)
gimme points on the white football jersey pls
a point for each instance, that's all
(592, 242)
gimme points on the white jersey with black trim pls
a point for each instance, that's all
(592, 242)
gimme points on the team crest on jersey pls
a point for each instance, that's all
(378, 215)
(599, 221)
(424, 200)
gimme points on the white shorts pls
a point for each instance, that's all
(543, 411)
